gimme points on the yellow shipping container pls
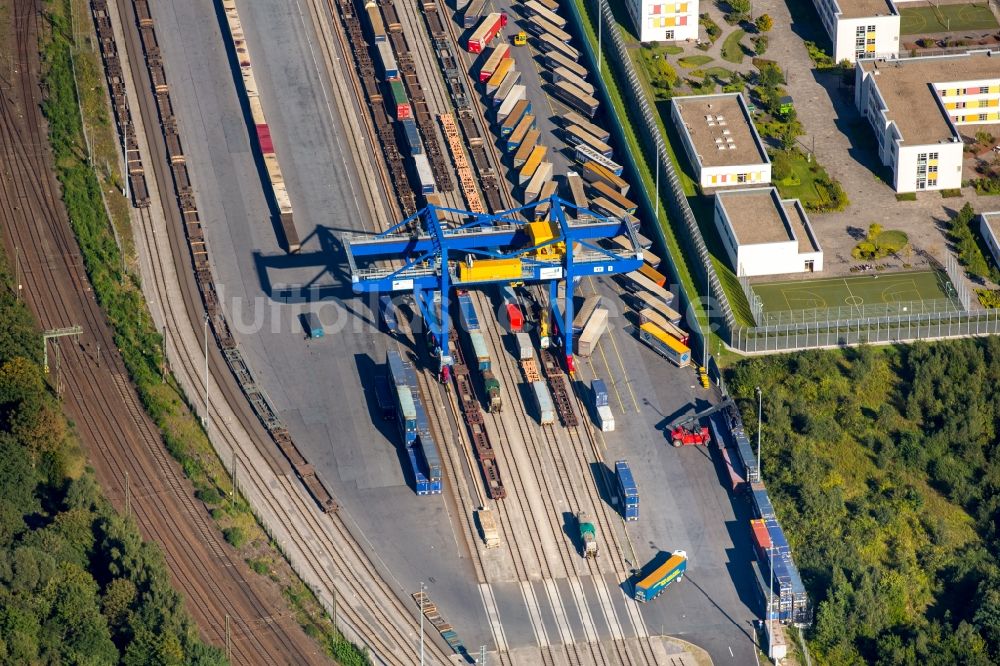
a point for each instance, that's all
(665, 338)
(490, 269)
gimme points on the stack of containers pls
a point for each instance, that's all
(605, 417)
(421, 450)
(628, 490)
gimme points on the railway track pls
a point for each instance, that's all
(119, 438)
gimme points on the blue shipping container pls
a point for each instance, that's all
(628, 490)
(761, 502)
(600, 393)
(778, 541)
(397, 369)
(412, 136)
(468, 316)
(407, 414)
(314, 327)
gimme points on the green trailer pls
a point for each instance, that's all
(492, 387)
(588, 535)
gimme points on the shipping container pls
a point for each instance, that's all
(584, 154)
(512, 79)
(535, 8)
(425, 176)
(406, 412)
(605, 418)
(570, 77)
(531, 164)
(542, 175)
(637, 282)
(525, 350)
(592, 332)
(600, 392)
(499, 53)
(520, 109)
(473, 13)
(480, 350)
(539, 26)
(551, 5)
(400, 100)
(628, 492)
(412, 136)
(601, 188)
(484, 270)
(603, 206)
(582, 316)
(375, 21)
(264, 138)
(575, 98)
(778, 540)
(387, 310)
(390, 70)
(665, 344)
(383, 396)
(527, 146)
(547, 43)
(498, 75)
(655, 300)
(488, 29)
(652, 316)
(512, 309)
(656, 276)
(593, 172)
(653, 585)
(575, 135)
(488, 527)
(764, 594)
(576, 191)
(761, 502)
(758, 531)
(543, 401)
(515, 95)
(312, 324)
(517, 136)
(554, 59)
(467, 313)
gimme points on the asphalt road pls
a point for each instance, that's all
(322, 387)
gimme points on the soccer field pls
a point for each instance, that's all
(943, 18)
(827, 299)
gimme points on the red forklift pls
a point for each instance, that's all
(686, 430)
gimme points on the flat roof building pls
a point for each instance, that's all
(989, 227)
(860, 29)
(659, 21)
(766, 235)
(720, 140)
(915, 106)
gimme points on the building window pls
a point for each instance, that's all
(871, 28)
(668, 35)
(859, 42)
(932, 156)
(741, 178)
(921, 184)
(932, 168)
(871, 41)
(983, 116)
(860, 31)
(983, 103)
(921, 157)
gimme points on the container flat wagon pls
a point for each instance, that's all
(538, 26)
(499, 74)
(473, 14)
(576, 99)
(488, 29)
(584, 154)
(537, 9)
(576, 135)
(526, 124)
(468, 317)
(512, 79)
(547, 43)
(526, 147)
(564, 74)
(554, 59)
(583, 315)
(499, 53)
(665, 344)
(627, 490)
(412, 420)
(656, 582)
(611, 194)
(375, 21)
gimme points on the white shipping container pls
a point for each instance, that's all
(515, 95)
(605, 418)
(543, 400)
(542, 175)
(525, 350)
(592, 332)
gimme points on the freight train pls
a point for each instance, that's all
(469, 321)
(414, 429)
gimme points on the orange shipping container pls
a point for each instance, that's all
(653, 274)
(760, 536)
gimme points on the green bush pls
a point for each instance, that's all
(951, 194)
(821, 59)
(209, 495)
(989, 298)
(781, 166)
(988, 186)
(711, 27)
(906, 196)
(235, 536)
(963, 231)
(760, 43)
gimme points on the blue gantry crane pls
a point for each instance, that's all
(427, 254)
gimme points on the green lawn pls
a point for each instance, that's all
(944, 18)
(692, 61)
(719, 73)
(802, 185)
(731, 48)
(868, 295)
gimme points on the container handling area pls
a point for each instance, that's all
(515, 364)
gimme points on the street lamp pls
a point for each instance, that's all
(760, 405)
(421, 623)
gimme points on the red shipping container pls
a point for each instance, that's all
(487, 30)
(515, 318)
(264, 137)
(761, 538)
(402, 111)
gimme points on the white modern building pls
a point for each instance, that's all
(860, 29)
(915, 106)
(721, 141)
(765, 235)
(663, 20)
(989, 227)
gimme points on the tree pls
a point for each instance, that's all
(764, 23)
(781, 166)
(874, 229)
(740, 8)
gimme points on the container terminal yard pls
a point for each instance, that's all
(505, 471)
